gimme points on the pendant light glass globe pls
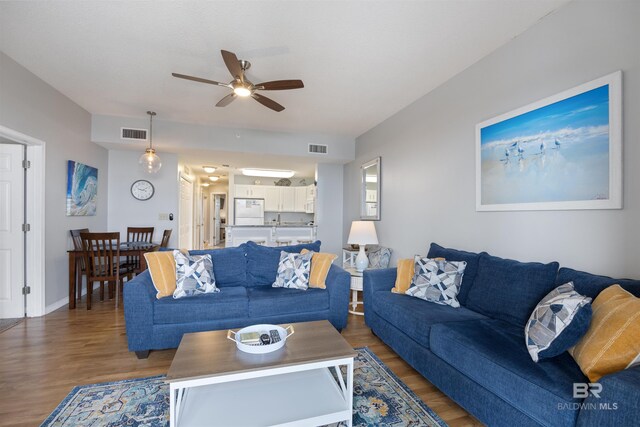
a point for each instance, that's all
(150, 161)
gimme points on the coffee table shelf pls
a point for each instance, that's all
(308, 382)
(301, 398)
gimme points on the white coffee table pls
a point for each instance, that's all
(212, 383)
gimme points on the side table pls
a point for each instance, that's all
(356, 286)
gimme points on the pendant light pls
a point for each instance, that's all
(150, 161)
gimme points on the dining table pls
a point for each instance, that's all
(126, 249)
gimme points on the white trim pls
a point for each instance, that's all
(35, 217)
(64, 301)
(614, 80)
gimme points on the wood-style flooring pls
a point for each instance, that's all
(42, 359)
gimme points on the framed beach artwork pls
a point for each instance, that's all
(82, 189)
(563, 152)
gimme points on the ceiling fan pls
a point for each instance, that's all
(242, 87)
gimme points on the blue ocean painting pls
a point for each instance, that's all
(556, 153)
(82, 189)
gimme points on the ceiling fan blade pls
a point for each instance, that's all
(199, 79)
(233, 64)
(280, 85)
(226, 100)
(267, 102)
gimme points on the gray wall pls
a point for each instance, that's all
(427, 149)
(31, 106)
(329, 217)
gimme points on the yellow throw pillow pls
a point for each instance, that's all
(320, 265)
(162, 266)
(404, 276)
(612, 342)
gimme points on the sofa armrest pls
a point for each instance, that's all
(338, 284)
(382, 279)
(139, 296)
(618, 403)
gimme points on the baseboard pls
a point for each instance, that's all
(64, 301)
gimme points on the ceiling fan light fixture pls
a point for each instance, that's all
(209, 169)
(242, 91)
(268, 173)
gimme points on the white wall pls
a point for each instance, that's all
(125, 211)
(329, 213)
(30, 106)
(427, 149)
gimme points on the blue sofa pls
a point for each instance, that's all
(476, 354)
(244, 275)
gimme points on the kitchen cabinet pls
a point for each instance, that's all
(243, 191)
(300, 199)
(287, 199)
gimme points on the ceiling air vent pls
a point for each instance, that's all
(317, 149)
(133, 134)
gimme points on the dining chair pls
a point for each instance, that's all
(102, 258)
(137, 234)
(81, 268)
(165, 238)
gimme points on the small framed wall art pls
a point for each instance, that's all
(82, 189)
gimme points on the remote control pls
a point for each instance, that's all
(275, 336)
(265, 339)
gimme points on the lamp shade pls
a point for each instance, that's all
(363, 233)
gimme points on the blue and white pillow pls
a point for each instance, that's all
(557, 323)
(293, 270)
(437, 280)
(194, 275)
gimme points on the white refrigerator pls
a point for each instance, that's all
(249, 211)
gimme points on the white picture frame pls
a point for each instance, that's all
(517, 170)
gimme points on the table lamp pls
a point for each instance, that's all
(362, 233)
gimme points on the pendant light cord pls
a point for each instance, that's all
(151, 114)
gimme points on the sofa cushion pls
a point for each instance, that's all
(262, 261)
(591, 284)
(437, 281)
(229, 303)
(229, 265)
(471, 258)
(414, 316)
(509, 290)
(268, 301)
(492, 353)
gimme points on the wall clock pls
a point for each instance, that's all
(142, 189)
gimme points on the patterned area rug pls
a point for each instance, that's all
(380, 399)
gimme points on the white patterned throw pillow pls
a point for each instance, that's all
(293, 270)
(194, 275)
(437, 281)
(559, 320)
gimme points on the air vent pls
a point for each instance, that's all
(317, 149)
(133, 134)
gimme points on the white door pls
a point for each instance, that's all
(186, 214)
(11, 235)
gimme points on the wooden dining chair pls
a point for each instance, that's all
(81, 267)
(137, 234)
(102, 258)
(165, 238)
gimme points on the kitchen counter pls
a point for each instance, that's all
(270, 234)
(272, 225)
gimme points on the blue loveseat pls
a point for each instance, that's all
(476, 353)
(244, 275)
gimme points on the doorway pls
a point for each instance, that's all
(218, 218)
(22, 218)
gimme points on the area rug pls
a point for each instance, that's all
(6, 324)
(379, 399)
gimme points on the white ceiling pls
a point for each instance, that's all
(361, 61)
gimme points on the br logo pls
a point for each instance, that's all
(582, 390)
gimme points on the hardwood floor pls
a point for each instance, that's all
(42, 359)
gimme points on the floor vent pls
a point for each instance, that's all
(318, 149)
(133, 134)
